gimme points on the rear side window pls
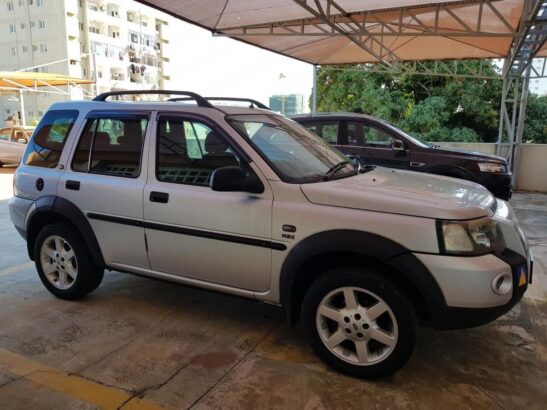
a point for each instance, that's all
(328, 131)
(111, 145)
(46, 146)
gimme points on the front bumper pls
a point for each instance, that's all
(449, 317)
(499, 184)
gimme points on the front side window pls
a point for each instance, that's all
(295, 154)
(48, 141)
(111, 145)
(188, 151)
(362, 134)
(19, 136)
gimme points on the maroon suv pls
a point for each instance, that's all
(376, 142)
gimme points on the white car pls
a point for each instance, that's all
(13, 141)
(247, 202)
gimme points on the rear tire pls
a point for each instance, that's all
(359, 322)
(64, 263)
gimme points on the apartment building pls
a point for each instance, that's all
(119, 44)
(291, 104)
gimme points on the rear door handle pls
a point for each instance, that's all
(160, 197)
(73, 185)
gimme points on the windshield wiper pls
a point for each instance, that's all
(334, 169)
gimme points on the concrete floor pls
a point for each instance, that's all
(140, 343)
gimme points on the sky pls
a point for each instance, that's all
(219, 66)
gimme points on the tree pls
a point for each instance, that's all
(435, 108)
(535, 126)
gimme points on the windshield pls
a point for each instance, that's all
(295, 154)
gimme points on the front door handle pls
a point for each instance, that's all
(160, 197)
(72, 185)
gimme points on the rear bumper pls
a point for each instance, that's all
(18, 211)
(499, 184)
(447, 317)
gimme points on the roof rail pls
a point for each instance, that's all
(253, 103)
(201, 102)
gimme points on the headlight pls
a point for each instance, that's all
(494, 167)
(475, 237)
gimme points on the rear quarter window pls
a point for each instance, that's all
(46, 145)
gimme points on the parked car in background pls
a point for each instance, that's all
(376, 142)
(13, 142)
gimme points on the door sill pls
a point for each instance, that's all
(183, 280)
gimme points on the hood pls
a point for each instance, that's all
(476, 154)
(404, 192)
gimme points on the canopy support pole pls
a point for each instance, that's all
(314, 90)
(22, 103)
(520, 124)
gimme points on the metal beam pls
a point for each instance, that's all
(406, 24)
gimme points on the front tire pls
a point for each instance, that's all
(359, 322)
(64, 263)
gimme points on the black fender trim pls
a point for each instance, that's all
(367, 244)
(71, 212)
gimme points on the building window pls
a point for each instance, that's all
(81, 26)
(12, 28)
(43, 48)
(130, 16)
(30, 2)
(32, 24)
(10, 6)
(34, 48)
(39, 3)
(94, 30)
(41, 23)
(13, 51)
(25, 49)
(23, 26)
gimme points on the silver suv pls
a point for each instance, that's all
(245, 201)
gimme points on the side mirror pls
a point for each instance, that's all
(355, 159)
(398, 145)
(234, 179)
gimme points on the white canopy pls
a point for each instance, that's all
(361, 31)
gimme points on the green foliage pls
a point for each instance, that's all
(434, 108)
(535, 127)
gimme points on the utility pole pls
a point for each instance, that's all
(314, 90)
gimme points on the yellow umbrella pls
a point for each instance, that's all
(24, 80)
(20, 81)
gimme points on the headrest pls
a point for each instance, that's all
(102, 139)
(132, 131)
(213, 144)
